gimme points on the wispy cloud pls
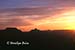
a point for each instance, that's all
(25, 12)
(24, 16)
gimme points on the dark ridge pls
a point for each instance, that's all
(12, 30)
(57, 39)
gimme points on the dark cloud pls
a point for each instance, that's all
(14, 22)
(20, 3)
(30, 13)
(26, 11)
(17, 22)
(35, 3)
(19, 16)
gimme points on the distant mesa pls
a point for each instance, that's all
(12, 30)
(35, 30)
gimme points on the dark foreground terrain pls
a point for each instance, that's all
(58, 39)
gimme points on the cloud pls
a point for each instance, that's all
(26, 16)
(39, 11)
(35, 3)
(32, 12)
(4, 22)
(21, 16)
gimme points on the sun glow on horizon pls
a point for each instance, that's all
(63, 21)
(70, 19)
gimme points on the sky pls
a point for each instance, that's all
(42, 14)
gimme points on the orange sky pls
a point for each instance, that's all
(60, 20)
(42, 14)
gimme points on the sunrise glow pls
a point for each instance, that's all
(63, 21)
(40, 14)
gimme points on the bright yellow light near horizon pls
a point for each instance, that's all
(62, 21)
(69, 19)
(65, 20)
